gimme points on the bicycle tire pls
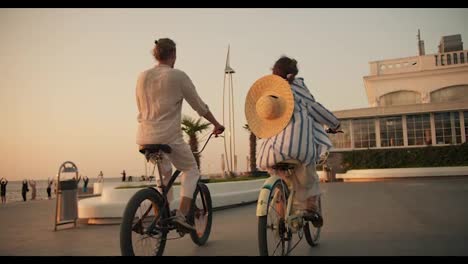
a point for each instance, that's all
(279, 187)
(127, 226)
(202, 210)
(312, 234)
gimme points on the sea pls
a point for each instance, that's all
(13, 189)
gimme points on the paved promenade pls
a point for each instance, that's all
(396, 217)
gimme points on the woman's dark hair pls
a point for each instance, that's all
(286, 68)
(164, 49)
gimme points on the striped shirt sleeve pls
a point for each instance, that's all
(315, 109)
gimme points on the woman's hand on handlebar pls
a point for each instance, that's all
(218, 129)
(333, 131)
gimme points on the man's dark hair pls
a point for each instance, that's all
(164, 49)
(286, 68)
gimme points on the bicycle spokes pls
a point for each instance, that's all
(146, 229)
(280, 236)
(200, 214)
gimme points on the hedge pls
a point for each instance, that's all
(430, 156)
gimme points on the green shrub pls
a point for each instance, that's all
(406, 158)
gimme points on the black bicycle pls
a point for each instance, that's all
(148, 219)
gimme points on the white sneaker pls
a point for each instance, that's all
(181, 220)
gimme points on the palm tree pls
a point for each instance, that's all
(192, 127)
(253, 149)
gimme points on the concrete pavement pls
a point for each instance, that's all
(397, 217)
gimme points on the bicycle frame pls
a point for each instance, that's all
(287, 222)
(165, 188)
(262, 202)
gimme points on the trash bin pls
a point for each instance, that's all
(66, 210)
(330, 175)
(68, 203)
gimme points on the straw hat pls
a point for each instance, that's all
(269, 106)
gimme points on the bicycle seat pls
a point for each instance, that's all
(155, 148)
(286, 165)
(147, 150)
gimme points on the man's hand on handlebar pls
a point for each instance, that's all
(218, 129)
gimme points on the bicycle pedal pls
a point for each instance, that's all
(182, 230)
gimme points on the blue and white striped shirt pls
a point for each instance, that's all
(304, 137)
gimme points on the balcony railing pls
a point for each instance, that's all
(420, 63)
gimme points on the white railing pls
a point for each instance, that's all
(420, 63)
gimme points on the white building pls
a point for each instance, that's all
(414, 102)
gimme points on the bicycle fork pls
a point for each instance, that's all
(294, 222)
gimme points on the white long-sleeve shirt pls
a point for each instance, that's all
(160, 92)
(304, 136)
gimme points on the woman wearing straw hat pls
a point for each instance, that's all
(281, 111)
(160, 92)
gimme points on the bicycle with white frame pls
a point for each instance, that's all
(277, 223)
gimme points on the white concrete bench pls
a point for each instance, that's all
(109, 207)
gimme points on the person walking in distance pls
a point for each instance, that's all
(3, 184)
(24, 189)
(124, 175)
(100, 177)
(33, 187)
(85, 184)
(49, 188)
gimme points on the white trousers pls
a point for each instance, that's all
(183, 160)
(305, 182)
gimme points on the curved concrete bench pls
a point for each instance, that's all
(97, 188)
(109, 207)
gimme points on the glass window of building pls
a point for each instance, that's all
(456, 121)
(342, 140)
(364, 133)
(450, 94)
(419, 129)
(465, 114)
(400, 98)
(447, 127)
(391, 131)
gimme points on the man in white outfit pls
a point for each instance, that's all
(160, 92)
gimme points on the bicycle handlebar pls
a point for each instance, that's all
(213, 133)
(332, 131)
(219, 131)
(329, 130)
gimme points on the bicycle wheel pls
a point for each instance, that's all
(273, 238)
(201, 214)
(141, 232)
(312, 233)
